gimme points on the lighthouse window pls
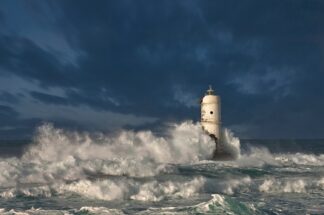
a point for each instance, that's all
(211, 112)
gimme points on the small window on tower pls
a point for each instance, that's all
(211, 112)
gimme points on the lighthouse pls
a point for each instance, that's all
(211, 117)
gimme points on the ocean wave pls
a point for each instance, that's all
(155, 191)
(63, 161)
(140, 166)
(275, 186)
(300, 159)
(297, 185)
(261, 156)
(82, 210)
(231, 143)
(110, 190)
(231, 185)
(218, 204)
(130, 153)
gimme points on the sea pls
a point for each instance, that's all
(66, 172)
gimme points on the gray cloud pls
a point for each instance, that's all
(149, 62)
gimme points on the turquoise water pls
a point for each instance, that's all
(63, 172)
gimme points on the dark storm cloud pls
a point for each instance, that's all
(1, 18)
(49, 99)
(138, 53)
(11, 125)
(156, 58)
(22, 57)
(7, 112)
(9, 97)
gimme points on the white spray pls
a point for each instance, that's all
(59, 157)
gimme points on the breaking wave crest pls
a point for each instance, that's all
(61, 162)
(82, 210)
(261, 156)
(112, 189)
(292, 186)
(231, 143)
(218, 204)
(150, 170)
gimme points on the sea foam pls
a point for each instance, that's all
(60, 162)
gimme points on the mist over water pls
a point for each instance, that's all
(141, 173)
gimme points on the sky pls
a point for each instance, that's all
(109, 65)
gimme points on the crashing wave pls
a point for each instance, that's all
(60, 161)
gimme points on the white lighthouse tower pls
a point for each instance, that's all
(211, 116)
